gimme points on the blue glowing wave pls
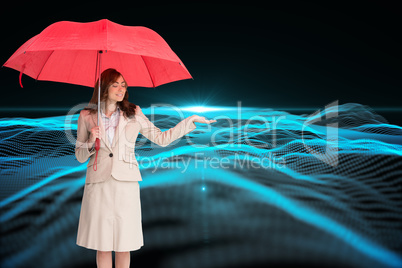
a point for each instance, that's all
(268, 199)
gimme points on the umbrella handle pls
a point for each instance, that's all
(21, 72)
(97, 147)
(20, 79)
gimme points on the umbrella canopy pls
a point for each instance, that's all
(69, 52)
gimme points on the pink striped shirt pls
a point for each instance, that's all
(111, 123)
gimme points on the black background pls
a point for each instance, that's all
(296, 55)
(291, 55)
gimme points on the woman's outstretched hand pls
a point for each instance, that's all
(201, 119)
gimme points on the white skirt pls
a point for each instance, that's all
(110, 217)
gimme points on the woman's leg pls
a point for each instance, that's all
(104, 259)
(122, 259)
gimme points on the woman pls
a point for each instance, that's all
(110, 217)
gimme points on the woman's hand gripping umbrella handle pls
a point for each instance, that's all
(95, 137)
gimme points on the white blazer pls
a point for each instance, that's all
(119, 159)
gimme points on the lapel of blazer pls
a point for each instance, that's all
(118, 132)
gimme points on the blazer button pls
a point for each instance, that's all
(110, 154)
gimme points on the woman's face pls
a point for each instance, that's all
(117, 90)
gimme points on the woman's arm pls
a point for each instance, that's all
(154, 134)
(83, 147)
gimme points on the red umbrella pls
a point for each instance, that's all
(77, 53)
(69, 52)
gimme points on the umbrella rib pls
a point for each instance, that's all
(150, 77)
(37, 77)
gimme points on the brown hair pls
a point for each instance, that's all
(108, 77)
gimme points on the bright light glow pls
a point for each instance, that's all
(201, 109)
